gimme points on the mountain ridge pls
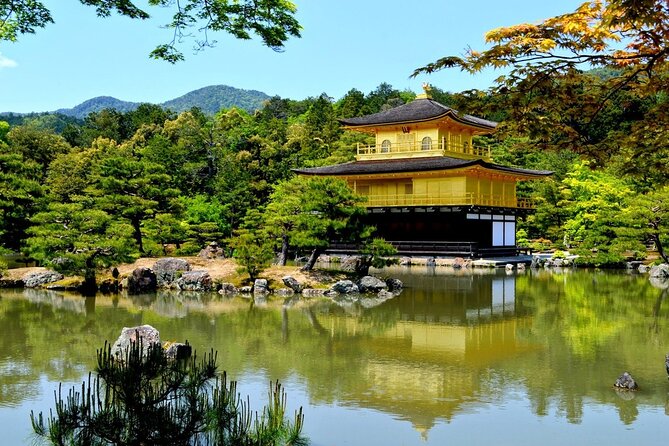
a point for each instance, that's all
(209, 99)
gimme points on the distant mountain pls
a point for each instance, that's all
(209, 99)
(215, 97)
(96, 104)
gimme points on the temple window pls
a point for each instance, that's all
(426, 144)
(385, 146)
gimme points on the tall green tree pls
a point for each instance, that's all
(310, 212)
(381, 98)
(204, 209)
(285, 207)
(41, 146)
(647, 217)
(321, 128)
(252, 246)
(76, 239)
(180, 146)
(107, 123)
(351, 104)
(128, 187)
(69, 174)
(4, 130)
(20, 190)
(595, 201)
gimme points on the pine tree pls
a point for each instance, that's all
(144, 398)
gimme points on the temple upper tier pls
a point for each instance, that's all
(421, 128)
(424, 155)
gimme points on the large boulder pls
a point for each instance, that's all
(661, 270)
(626, 382)
(349, 264)
(195, 281)
(168, 270)
(394, 284)
(142, 280)
(212, 251)
(177, 350)
(292, 283)
(345, 287)
(145, 334)
(371, 284)
(228, 288)
(260, 286)
(39, 278)
(537, 262)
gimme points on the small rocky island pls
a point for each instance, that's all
(198, 274)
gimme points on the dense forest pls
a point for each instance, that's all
(149, 181)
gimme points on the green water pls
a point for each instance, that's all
(470, 358)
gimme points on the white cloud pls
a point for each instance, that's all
(6, 62)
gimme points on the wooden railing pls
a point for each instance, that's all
(443, 147)
(448, 200)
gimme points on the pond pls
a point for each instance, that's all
(470, 357)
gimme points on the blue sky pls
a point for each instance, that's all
(345, 44)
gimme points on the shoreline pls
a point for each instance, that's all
(328, 270)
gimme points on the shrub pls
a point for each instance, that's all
(147, 399)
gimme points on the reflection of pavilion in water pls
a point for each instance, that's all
(438, 359)
(463, 298)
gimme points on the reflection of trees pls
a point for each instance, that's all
(655, 327)
(594, 326)
(627, 406)
(435, 351)
(51, 334)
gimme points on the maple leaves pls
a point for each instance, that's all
(598, 33)
(569, 79)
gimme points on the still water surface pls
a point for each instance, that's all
(474, 358)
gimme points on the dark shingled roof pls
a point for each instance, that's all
(418, 110)
(412, 165)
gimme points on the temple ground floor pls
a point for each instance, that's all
(445, 231)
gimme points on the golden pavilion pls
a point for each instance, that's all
(430, 190)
